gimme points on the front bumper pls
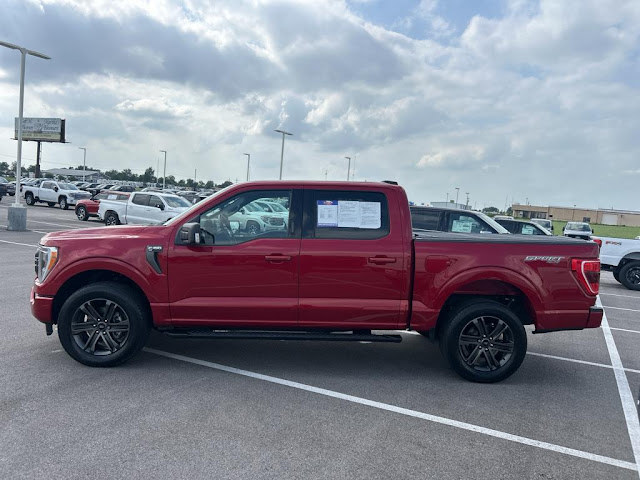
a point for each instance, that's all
(41, 307)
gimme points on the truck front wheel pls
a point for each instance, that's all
(484, 342)
(28, 198)
(630, 275)
(63, 203)
(103, 325)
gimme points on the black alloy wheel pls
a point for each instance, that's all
(111, 219)
(484, 341)
(103, 324)
(81, 213)
(630, 275)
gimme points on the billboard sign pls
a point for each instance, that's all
(41, 129)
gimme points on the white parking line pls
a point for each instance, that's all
(584, 362)
(618, 295)
(404, 411)
(23, 244)
(625, 309)
(624, 330)
(55, 224)
(36, 231)
(624, 390)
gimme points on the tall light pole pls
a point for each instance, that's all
(282, 150)
(348, 167)
(457, 192)
(467, 193)
(19, 220)
(249, 161)
(84, 162)
(164, 173)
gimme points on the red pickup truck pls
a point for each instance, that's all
(344, 266)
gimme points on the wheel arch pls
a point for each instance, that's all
(87, 277)
(503, 286)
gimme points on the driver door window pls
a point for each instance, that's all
(244, 218)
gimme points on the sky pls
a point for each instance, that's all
(511, 101)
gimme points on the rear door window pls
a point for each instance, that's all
(465, 223)
(424, 219)
(348, 215)
(141, 199)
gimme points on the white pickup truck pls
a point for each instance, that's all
(142, 208)
(622, 257)
(52, 192)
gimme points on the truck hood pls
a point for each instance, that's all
(102, 233)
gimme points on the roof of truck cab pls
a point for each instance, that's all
(318, 184)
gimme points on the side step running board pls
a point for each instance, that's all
(284, 335)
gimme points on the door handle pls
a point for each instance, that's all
(381, 260)
(277, 258)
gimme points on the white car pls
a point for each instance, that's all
(52, 192)
(622, 257)
(253, 219)
(142, 208)
(577, 230)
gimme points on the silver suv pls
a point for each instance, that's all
(544, 223)
(577, 230)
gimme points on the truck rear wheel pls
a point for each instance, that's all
(103, 325)
(484, 342)
(630, 275)
(111, 218)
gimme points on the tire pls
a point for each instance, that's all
(252, 228)
(28, 198)
(616, 274)
(81, 213)
(63, 203)
(111, 218)
(51, 204)
(473, 352)
(630, 275)
(103, 324)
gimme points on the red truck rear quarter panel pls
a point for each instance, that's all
(490, 267)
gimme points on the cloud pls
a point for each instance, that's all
(546, 90)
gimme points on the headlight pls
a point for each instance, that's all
(265, 218)
(46, 259)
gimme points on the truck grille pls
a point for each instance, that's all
(276, 221)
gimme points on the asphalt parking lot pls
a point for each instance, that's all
(274, 409)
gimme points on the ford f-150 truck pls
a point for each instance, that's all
(622, 257)
(347, 266)
(143, 208)
(52, 192)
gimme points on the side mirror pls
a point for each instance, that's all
(242, 211)
(55, 189)
(190, 234)
(159, 205)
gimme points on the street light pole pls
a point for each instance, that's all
(282, 150)
(457, 192)
(164, 173)
(249, 161)
(18, 221)
(84, 162)
(348, 167)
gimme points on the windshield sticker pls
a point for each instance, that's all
(327, 213)
(461, 226)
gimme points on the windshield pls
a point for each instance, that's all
(177, 202)
(187, 213)
(499, 228)
(580, 227)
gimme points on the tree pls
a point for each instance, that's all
(147, 176)
(490, 210)
(4, 168)
(226, 184)
(509, 211)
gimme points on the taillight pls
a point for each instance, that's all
(588, 274)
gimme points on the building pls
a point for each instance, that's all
(88, 175)
(627, 218)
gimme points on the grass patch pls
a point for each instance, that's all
(615, 231)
